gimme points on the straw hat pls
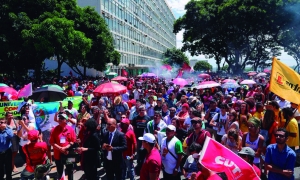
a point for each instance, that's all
(118, 100)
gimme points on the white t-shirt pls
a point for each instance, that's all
(222, 123)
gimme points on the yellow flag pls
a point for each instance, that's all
(284, 82)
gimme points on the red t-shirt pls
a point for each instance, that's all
(62, 137)
(131, 142)
(151, 165)
(257, 170)
(70, 93)
(36, 154)
(198, 138)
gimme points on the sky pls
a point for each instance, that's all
(177, 7)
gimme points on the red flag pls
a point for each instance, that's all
(63, 176)
(180, 73)
(186, 67)
(71, 74)
(224, 160)
(25, 91)
(124, 73)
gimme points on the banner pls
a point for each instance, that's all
(12, 106)
(284, 82)
(224, 160)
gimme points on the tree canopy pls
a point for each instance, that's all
(235, 30)
(175, 57)
(36, 30)
(202, 66)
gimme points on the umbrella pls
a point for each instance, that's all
(204, 76)
(228, 81)
(180, 81)
(53, 85)
(267, 70)
(148, 75)
(208, 84)
(3, 85)
(252, 73)
(110, 89)
(51, 93)
(261, 74)
(119, 78)
(230, 85)
(248, 81)
(9, 90)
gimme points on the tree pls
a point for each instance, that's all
(202, 66)
(232, 29)
(175, 57)
(225, 67)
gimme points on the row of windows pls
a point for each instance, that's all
(148, 24)
(136, 60)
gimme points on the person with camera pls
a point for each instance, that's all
(35, 153)
(62, 138)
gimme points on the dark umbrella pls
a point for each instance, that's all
(49, 93)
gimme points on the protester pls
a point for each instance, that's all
(6, 135)
(248, 155)
(292, 127)
(199, 134)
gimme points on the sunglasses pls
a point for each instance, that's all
(279, 135)
(195, 122)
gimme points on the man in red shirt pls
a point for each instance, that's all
(62, 137)
(128, 155)
(248, 154)
(35, 152)
(152, 165)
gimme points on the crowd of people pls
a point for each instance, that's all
(161, 125)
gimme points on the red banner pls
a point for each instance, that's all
(124, 73)
(224, 160)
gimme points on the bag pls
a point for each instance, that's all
(70, 158)
(42, 170)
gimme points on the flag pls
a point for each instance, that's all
(124, 73)
(71, 73)
(224, 160)
(180, 73)
(186, 67)
(107, 70)
(284, 82)
(25, 91)
(63, 176)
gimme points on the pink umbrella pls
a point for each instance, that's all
(267, 70)
(208, 84)
(167, 67)
(248, 81)
(204, 76)
(181, 82)
(252, 73)
(119, 78)
(228, 81)
(110, 89)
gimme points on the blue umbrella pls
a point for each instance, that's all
(230, 85)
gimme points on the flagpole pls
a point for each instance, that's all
(273, 69)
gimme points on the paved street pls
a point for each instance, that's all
(101, 172)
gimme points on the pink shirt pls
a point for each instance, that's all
(151, 165)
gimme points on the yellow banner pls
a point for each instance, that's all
(284, 82)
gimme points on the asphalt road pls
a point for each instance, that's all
(101, 172)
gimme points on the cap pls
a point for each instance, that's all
(68, 111)
(33, 135)
(248, 151)
(231, 92)
(125, 121)
(171, 127)
(63, 116)
(148, 137)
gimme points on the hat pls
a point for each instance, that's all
(186, 105)
(85, 94)
(117, 100)
(171, 127)
(125, 121)
(195, 119)
(63, 116)
(69, 111)
(33, 135)
(150, 138)
(256, 122)
(231, 92)
(248, 151)
(191, 99)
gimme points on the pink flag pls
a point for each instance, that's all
(180, 73)
(224, 160)
(25, 91)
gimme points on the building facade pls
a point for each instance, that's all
(142, 30)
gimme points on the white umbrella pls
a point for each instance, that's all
(207, 84)
(248, 81)
(261, 74)
(230, 85)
